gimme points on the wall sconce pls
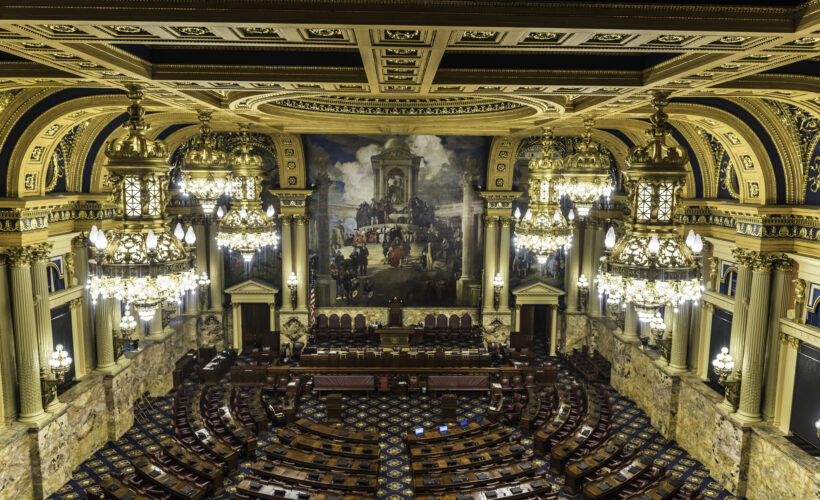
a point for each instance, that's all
(583, 291)
(293, 282)
(203, 282)
(723, 366)
(498, 284)
(59, 364)
(128, 325)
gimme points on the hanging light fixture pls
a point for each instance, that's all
(141, 262)
(245, 228)
(544, 229)
(206, 173)
(651, 266)
(586, 177)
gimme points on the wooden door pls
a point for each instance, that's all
(255, 325)
(523, 338)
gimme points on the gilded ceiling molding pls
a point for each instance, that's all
(501, 162)
(17, 107)
(758, 183)
(29, 160)
(290, 156)
(787, 148)
(707, 180)
(75, 170)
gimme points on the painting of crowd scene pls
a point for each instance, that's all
(389, 215)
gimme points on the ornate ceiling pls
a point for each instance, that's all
(450, 66)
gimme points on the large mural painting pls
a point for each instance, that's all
(396, 216)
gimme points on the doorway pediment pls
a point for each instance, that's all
(536, 293)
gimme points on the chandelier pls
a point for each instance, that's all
(205, 169)
(544, 229)
(651, 266)
(140, 262)
(586, 177)
(246, 228)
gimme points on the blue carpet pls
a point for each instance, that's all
(392, 416)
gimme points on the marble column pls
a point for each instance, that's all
(196, 299)
(490, 246)
(81, 245)
(595, 308)
(155, 330)
(287, 262)
(215, 269)
(25, 336)
(105, 334)
(300, 259)
(631, 325)
(680, 340)
(743, 287)
(695, 312)
(588, 243)
(8, 372)
(704, 363)
(467, 243)
(571, 272)
(504, 263)
(553, 326)
(757, 325)
(778, 305)
(42, 309)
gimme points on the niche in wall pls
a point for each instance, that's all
(718, 338)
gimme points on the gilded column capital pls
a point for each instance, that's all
(744, 258)
(491, 220)
(41, 252)
(505, 221)
(708, 306)
(75, 303)
(783, 263)
(787, 339)
(19, 256)
(299, 220)
(285, 218)
(762, 262)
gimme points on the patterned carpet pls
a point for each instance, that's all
(392, 416)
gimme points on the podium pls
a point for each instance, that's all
(394, 315)
(449, 407)
(334, 407)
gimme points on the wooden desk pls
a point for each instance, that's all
(329, 447)
(612, 483)
(546, 431)
(237, 429)
(594, 460)
(279, 453)
(465, 445)
(566, 448)
(339, 433)
(256, 410)
(171, 483)
(666, 488)
(460, 480)
(114, 488)
(315, 479)
(468, 460)
(453, 432)
(255, 489)
(395, 335)
(194, 464)
(535, 489)
(204, 435)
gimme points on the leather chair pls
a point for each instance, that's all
(413, 384)
(529, 382)
(297, 350)
(384, 384)
(333, 325)
(441, 324)
(346, 325)
(270, 384)
(360, 325)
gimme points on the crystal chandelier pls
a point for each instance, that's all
(544, 229)
(651, 266)
(586, 177)
(205, 169)
(246, 228)
(140, 262)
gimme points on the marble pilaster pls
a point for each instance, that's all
(571, 273)
(504, 263)
(631, 325)
(597, 243)
(680, 340)
(8, 372)
(754, 348)
(80, 247)
(105, 334)
(300, 260)
(215, 266)
(287, 262)
(490, 249)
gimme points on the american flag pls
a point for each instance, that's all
(312, 305)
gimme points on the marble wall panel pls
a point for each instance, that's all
(778, 469)
(15, 463)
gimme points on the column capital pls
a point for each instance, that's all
(787, 339)
(75, 303)
(20, 256)
(505, 221)
(762, 262)
(708, 306)
(744, 257)
(41, 251)
(300, 220)
(783, 263)
(491, 220)
(284, 218)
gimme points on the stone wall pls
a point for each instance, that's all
(576, 333)
(35, 463)
(749, 461)
(15, 463)
(778, 469)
